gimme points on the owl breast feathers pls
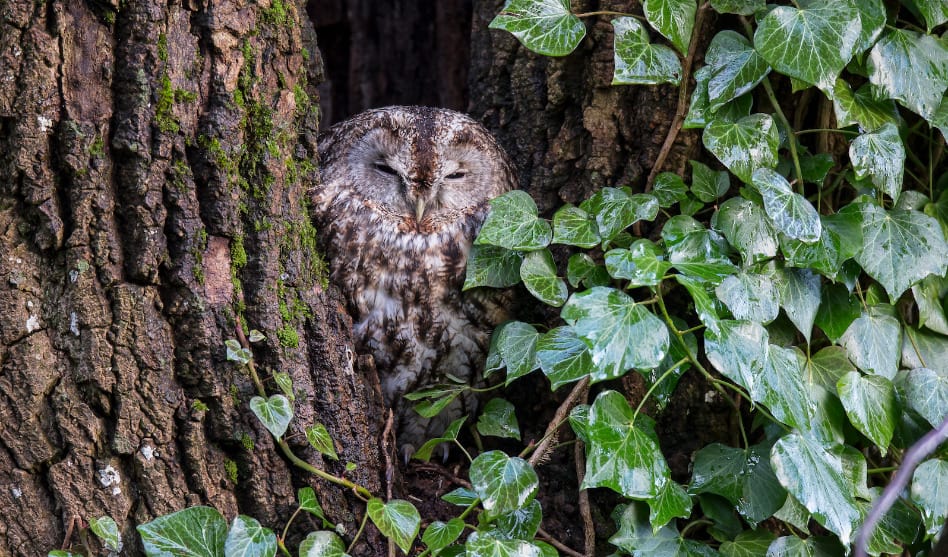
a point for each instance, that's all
(404, 191)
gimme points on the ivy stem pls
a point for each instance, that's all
(692, 524)
(286, 528)
(655, 385)
(365, 519)
(883, 470)
(463, 450)
(283, 548)
(826, 130)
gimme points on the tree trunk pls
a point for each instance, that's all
(154, 162)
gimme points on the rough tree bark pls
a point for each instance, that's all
(154, 158)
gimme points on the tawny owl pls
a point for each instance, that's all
(404, 191)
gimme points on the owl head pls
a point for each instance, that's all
(416, 166)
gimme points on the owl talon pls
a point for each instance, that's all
(445, 452)
(407, 452)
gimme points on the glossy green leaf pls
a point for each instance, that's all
(512, 223)
(704, 304)
(318, 436)
(900, 248)
(870, 404)
(790, 212)
(107, 530)
(461, 497)
(740, 7)
(928, 295)
(247, 538)
(814, 546)
(499, 419)
(639, 264)
(824, 255)
(812, 44)
(322, 543)
(488, 544)
(615, 210)
(930, 493)
(449, 435)
(439, 534)
(668, 189)
(192, 532)
(898, 527)
(397, 520)
(837, 311)
(285, 383)
(815, 167)
(745, 145)
(799, 294)
(707, 184)
(308, 502)
(820, 479)
(637, 61)
(873, 341)
(695, 250)
(544, 26)
(934, 12)
(736, 68)
(674, 19)
(738, 349)
(749, 543)
(492, 266)
(503, 483)
(564, 358)
(237, 353)
(513, 345)
(782, 388)
(620, 333)
(747, 227)
(880, 156)
(574, 227)
(538, 272)
(671, 502)
(828, 366)
(622, 453)
(743, 477)
(749, 296)
(911, 68)
(926, 392)
(637, 537)
(275, 413)
(861, 107)
(521, 523)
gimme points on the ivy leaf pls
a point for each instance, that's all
(615, 210)
(309, 503)
(439, 535)
(499, 419)
(745, 145)
(538, 272)
(397, 520)
(449, 435)
(749, 296)
(318, 436)
(812, 44)
(880, 156)
(898, 526)
(743, 477)
(862, 107)
(581, 269)
(285, 382)
(492, 266)
(574, 227)
(503, 483)
(704, 304)
(696, 251)
(237, 353)
(638, 62)
(911, 68)
(799, 291)
(621, 455)
(513, 344)
(930, 492)
(247, 538)
(815, 167)
(275, 413)
(637, 537)
(870, 404)
(564, 358)
(461, 497)
(872, 17)
(935, 12)
(674, 19)
(749, 543)
(824, 255)
(814, 546)
(322, 543)
(708, 185)
(828, 366)
(521, 523)
(746, 226)
(820, 479)
(192, 532)
(671, 502)
(740, 7)
(837, 311)
(640, 264)
(107, 530)
(736, 68)
(900, 248)
(791, 213)
(873, 341)
(928, 295)
(668, 189)
(512, 223)
(620, 333)
(544, 26)
(489, 544)
(926, 391)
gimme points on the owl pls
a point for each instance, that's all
(404, 191)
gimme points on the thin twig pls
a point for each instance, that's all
(683, 96)
(913, 457)
(561, 413)
(558, 544)
(387, 451)
(589, 529)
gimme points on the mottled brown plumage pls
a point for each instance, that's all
(404, 191)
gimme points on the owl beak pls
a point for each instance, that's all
(419, 209)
